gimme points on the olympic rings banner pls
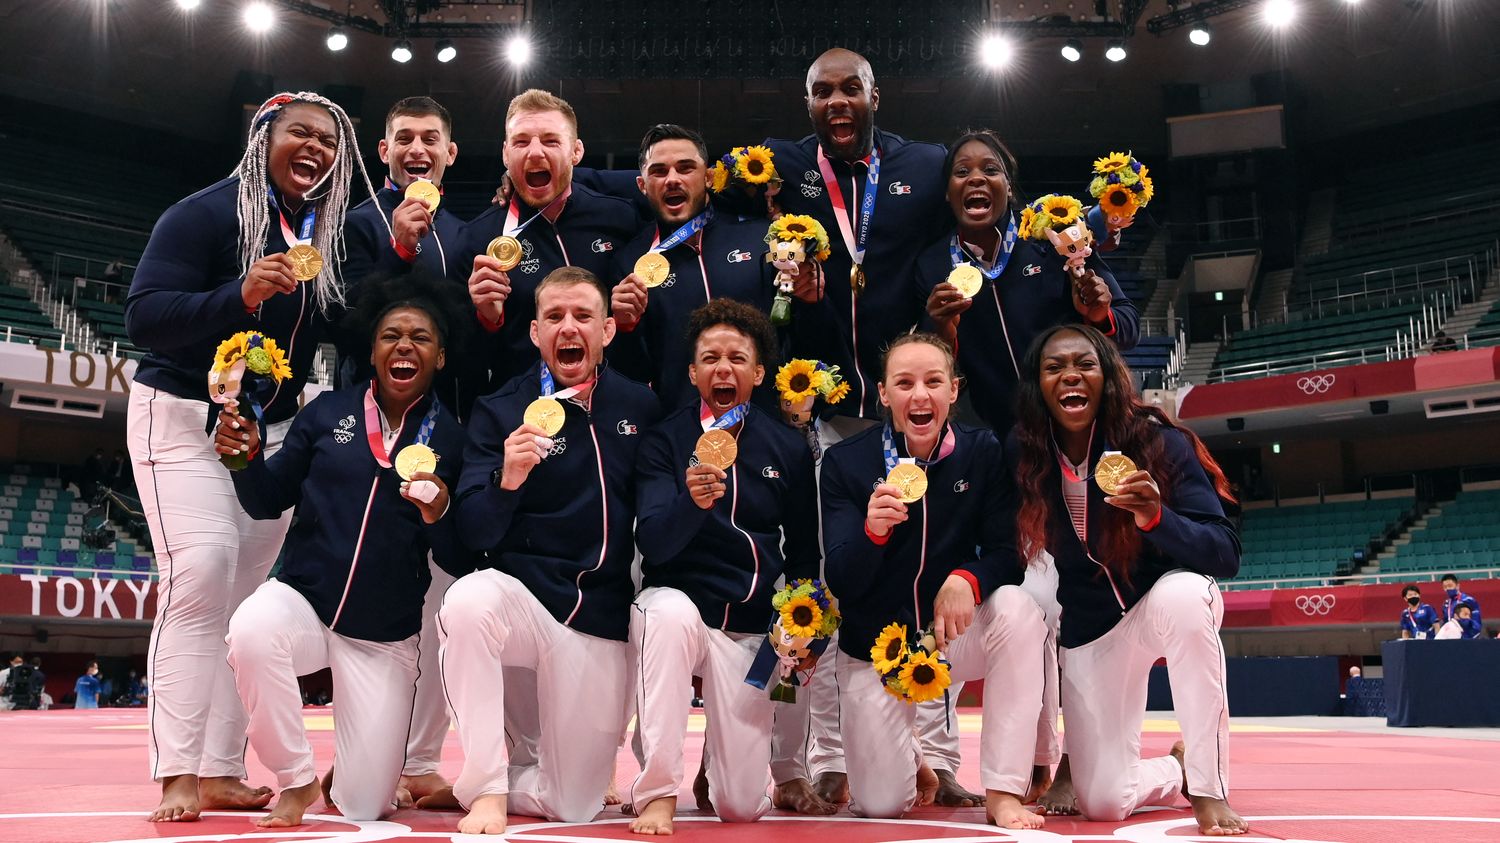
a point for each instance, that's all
(1340, 605)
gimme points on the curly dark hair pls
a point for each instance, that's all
(739, 316)
(445, 302)
(1125, 423)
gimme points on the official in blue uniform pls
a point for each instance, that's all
(1453, 598)
(1418, 620)
(349, 594)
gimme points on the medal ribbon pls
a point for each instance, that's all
(892, 457)
(286, 228)
(685, 233)
(513, 224)
(549, 386)
(855, 238)
(373, 428)
(1007, 245)
(730, 419)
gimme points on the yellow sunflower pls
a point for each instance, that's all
(795, 381)
(755, 166)
(231, 350)
(801, 617)
(1028, 223)
(1061, 211)
(718, 177)
(1112, 162)
(889, 649)
(796, 227)
(1148, 189)
(925, 677)
(838, 393)
(1119, 199)
(895, 689)
(280, 368)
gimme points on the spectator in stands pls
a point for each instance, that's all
(1442, 342)
(1454, 598)
(255, 251)
(117, 475)
(1418, 620)
(86, 689)
(92, 474)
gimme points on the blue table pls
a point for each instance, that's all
(1442, 683)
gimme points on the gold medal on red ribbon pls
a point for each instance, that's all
(1112, 470)
(967, 279)
(910, 480)
(506, 250)
(414, 459)
(306, 262)
(857, 279)
(717, 448)
(545, 413)
(427, 192)
(652, 268)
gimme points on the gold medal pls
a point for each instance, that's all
(967, 279)
(910, 479)
(506, 250)
(1112, 469)
(426, 191)
(717, 448)
(857, 279)
(652, 268)
(306, 262)
(545, 413)
(414, 459)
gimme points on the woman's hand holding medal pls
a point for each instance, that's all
(1139, 494)
(885, 510)
(432, 508)
(945, 304)
(705, 483)
(235, 434)
(268, 276)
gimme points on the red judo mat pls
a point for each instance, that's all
(81, 777)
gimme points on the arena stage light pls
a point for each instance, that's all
(1073, 50)
(446, 52)
(188, 5)
(1200, 34)
(996, 51)
(338, 39)
(1279, 14)
(401, 53)
(518, 50)
(259, 17)
(1116, 51)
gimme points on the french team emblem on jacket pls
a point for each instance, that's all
(601, 246)
(344, 433)
(738, 256)
(770, 472)
(625, 428)
(810, 187)
(899, 189)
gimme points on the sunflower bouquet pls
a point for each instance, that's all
(800, 631)
(1060, 219)
(1122, 185)
(249, 364)
(746, 169)
(801, 383)
(910, 667)
(794, 239)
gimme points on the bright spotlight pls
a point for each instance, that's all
(402, 51)
(1073, 50)
(259, 17)
(518, 50)
(1200, 34)
(446, 52)
(996, 51)
(338, 39)
(1279, 13)
(1116, 51)
(188, 5)
(1351, 2)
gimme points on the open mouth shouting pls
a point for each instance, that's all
(920, 421)
(571, 356)
(978, 205)
(417, 170)
(403, 370)
(674, 201)
(1074, 402)
(306, 170)
(538, 179)
(842, 130)
(726, 396)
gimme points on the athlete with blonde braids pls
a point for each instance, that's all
(216, 265)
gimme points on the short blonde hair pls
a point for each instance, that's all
(535, 100)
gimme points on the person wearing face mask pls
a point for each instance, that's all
(715, 540)
(217, 263)
(86, 689)
(1462, 626)
(556, 223)
(1024, 289)
(1418, 620)
(945, 560)
(1453, 598)
(547, 493)
(709, 256)
(1137, 569)
(349, 595)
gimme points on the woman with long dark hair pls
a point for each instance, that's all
(1137, 568)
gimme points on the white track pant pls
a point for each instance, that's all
(211, 556)
(430, 721)
(1104, 701)
(489, 620)
(670, 645)
(1041, 584)
(274, 637)
(1004, 647)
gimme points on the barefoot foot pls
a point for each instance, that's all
(1059, 797)
(611, 794)
(290, 806)
(441, 799)
(797, 795)
(927, 785)
(486, 816)
(327, 788)
(424, 785)
(833, 788)
(1041, 780)
(179, 800)
(1214, 816)
(227, 793)
(700, 789)
(1006, 811)
(950, 794)
(656, 817)
(403, 798)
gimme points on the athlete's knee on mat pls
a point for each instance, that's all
(364, 807)
(1102, 804)
(740, 808)
(885, 799)
(578, 805)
